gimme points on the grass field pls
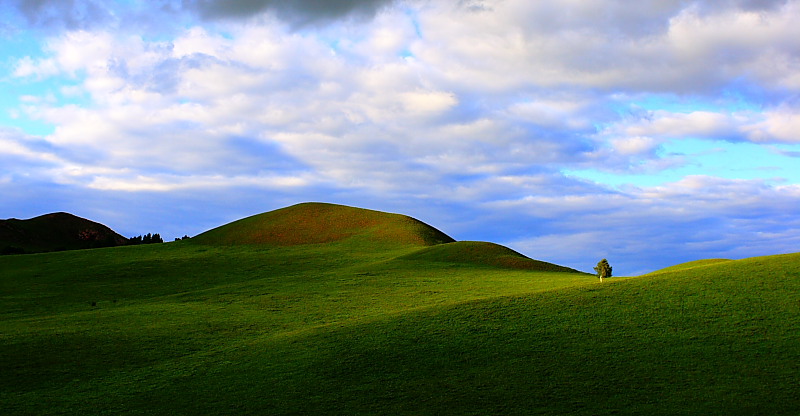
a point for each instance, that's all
(362, 324)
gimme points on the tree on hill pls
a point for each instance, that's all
(603, 269)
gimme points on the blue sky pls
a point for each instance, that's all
(649, 134)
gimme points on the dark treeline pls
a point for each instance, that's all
(145, 239)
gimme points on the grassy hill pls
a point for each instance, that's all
(209, 326)
(481, 253)
(316, 223)
(55, 232)
(693, 264)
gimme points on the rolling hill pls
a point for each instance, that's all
(317, 223)
(481, 253)
(55, 232)
(245, 321)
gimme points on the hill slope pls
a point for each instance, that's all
(691, 265)
(55, 232)
(183, 328)
(480, 253)
(314, 223)
(253, 319)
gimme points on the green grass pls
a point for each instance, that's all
(355, 327)
(693, 264)
(324, 223)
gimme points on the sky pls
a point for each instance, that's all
(649, 133)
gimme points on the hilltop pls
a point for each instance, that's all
(55, 232)
(317, 223)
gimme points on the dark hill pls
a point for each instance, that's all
(483, 253)
(55, 232)
(314, 223)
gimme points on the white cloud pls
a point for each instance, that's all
(779, 125)
(169, 183)
(82, 51)
(568, 112)
(21, 147)
(666, 124)
(653, 46)
(42, 68)
(634, 145)
(448, 107)
(740, 42)
(771, 125)
(197, 40)
(427, 102)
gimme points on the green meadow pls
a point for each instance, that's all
(321, 309)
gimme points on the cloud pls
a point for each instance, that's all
(171, 183)
(696, 123)
(63, 14)
(53, 16)
(300, 12)
(641, 133)
(634, 145)
(358, 113)
(687, 47)
(27, 67)
(778, 125)
(22, 154)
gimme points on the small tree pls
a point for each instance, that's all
(603, 269)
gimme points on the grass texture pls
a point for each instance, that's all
(347, 326)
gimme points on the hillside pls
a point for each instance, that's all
(314, 329)
(316, 223)
(692, 265)
(243, 321)
(480, 253)
(55, 232)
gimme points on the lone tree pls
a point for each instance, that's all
(603, 269)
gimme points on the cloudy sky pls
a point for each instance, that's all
(649, 132)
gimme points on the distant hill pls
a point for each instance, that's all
(315, 223)
(55, 232)
(483, 253)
